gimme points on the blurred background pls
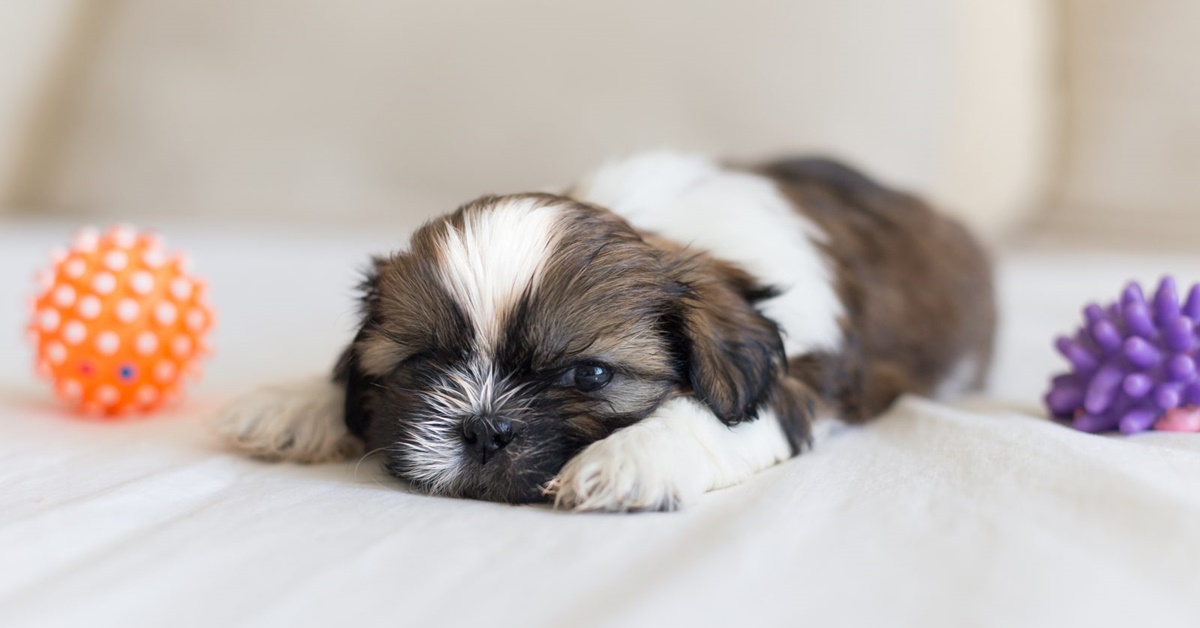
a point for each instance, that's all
(1040, 117)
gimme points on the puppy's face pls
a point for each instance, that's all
(512, 333)
(518, 330)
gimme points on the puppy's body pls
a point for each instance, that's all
(668, 326)
(865, 274)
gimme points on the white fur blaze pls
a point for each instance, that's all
(960, 380)
(737, 216)
(297, 422)
(495, 258)
(668, 459)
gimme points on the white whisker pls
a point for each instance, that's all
(432, 452)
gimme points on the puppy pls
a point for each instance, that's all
(668, 326)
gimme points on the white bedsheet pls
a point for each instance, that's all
(977, 514)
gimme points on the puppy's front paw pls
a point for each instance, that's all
(299, 422)
(626, 472)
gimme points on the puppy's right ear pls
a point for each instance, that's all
(349, 371)
(733, 353)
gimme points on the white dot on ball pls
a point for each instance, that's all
(104, 283)
(164, 372)
(89, 307)
(74, 332)
(64, 296)
(147, 395)
(86, 239)
(181, 288)
(108, 342)
(154, 258)
(127, 310)
(184, 263)
(43, 370)
(75, 267)
(146, 343)
(181, 346)
(195, 320)
(72, 388)
(56, 352)
(142, 282)
(165, 313)
(152, 240)
(116, 260)
(48, 319)
(45, 279)
(107, 395)
(123, 236)
(57, 255)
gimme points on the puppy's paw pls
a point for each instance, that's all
(627, 472)
(297, 422)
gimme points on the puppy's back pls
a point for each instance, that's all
(917, 287)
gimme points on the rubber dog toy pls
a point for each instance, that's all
(1133, 365)
(117, 321)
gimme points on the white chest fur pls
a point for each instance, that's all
(739, 217)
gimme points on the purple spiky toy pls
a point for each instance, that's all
(1133, 364)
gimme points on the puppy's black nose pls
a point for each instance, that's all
(487, 435)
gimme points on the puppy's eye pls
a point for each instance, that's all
(418, 363)
(586, 377)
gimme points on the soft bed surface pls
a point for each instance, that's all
(979, 513)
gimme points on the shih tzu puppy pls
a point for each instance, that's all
(667, 326)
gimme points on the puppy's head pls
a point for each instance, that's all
(517, 330)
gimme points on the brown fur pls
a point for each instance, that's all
(605, 296)
(668, 320)
(735, 358)
(916, 286)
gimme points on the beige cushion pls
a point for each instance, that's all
(1133, 136)
(230, 108)
(35, 39)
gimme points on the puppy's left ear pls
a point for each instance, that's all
(733, 354)
(349, 371)
(357, 407)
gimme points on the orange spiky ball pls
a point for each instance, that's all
(118, 321)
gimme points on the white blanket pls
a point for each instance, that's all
(978, 514)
